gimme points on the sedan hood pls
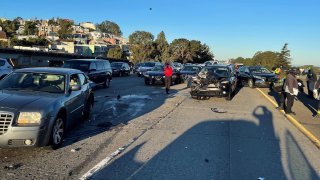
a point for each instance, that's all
(267, 75)
(22, 100)
(155, 73)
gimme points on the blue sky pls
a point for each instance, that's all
(231, 28)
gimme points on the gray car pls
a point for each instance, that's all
(38, 105)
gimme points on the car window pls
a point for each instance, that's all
(93, 66)
(28, 81)
(80, 65)
(99, 65)
(83, 79)
(74, 80)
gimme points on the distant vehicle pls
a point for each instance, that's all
(156, 76)
(216, 80)
(211, 62)
(5, 68)
(256, 76)
(147, 66)
(99, 71)
(177, 66)
(135, 67)
(187, 72)
(38, 105)
(120, 69)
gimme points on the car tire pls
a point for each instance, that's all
(229, 96)
(250, 83)
(57, 132)
(106, 83)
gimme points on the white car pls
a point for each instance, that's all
(5, 68)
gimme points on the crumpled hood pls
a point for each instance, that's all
(26, 101)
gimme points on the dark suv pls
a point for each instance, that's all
(98, 70)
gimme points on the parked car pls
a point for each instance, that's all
(216, 80)
(256, 76)
(38, 105)
(120, 69)
(99, 71)
(5, 68)
(135, 67)
(187, 72)
(147, 66)
(156, 76)
(177, 66)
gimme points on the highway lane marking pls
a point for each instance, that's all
(296, 123)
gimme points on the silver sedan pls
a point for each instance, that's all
(38, 105)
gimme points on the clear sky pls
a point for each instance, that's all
(231, 28)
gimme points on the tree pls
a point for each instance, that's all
(115, 53)
(284, 57)
(162, 47)
(110, 27)
(30, 28)
(267, 59)
(9, 27)
(65, 30)
(180, 50)
(142, 46)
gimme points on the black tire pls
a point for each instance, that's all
(229, 96)
(250, 83)
(57, 132)
(106, 83)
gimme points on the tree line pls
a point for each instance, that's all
(269, 59)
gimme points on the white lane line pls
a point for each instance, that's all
(102, 164)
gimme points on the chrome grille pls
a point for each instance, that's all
(5, 121)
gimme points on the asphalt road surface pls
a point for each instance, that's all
(138, 132)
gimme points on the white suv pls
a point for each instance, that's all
(5, 68)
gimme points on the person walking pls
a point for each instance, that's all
(317, 88)
(167, 76)
(311, 79)
(291, 89)
(278, 86)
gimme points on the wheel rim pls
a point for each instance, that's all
(250, 83)
(58, 131)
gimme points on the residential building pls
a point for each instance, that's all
(0, 28)
(3, 19)
(95, 35)
(88, 25)
(87, 50)
(77, 29)
(63, 46)
(3, 36)
(26, 37)
(111, 41)
(20, 30)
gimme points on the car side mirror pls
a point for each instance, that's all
(75, 88)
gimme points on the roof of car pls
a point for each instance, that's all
(218, 65)
(53, 70)
(87, 60)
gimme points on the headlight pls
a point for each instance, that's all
(26, 118)
(145, 74)
(225, 82)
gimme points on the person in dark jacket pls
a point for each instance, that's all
(291, 89)
(311, 79)
(167, 76)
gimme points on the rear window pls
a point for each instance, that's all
(80, 65)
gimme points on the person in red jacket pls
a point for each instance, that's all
(167, 76)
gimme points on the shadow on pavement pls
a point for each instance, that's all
(214, 149)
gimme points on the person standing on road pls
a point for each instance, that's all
(278, 86)
(167, 76)
(317, 87)
(311, 79)
(291, 89)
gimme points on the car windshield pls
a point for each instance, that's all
(116, 64)
(190, 68)
(221, 71)
(148, 64)
(259, 70)
(82, 66)
(29, 81)
(158, 68)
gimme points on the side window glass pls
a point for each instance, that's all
(247, 70)
(83, 79)
(93, 66)
(99, 65)
(74, 80)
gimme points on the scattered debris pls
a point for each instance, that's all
(206, 160)
(186, 147)
(260, 178)
(13, 166)
(216, 110)
(75, 150)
